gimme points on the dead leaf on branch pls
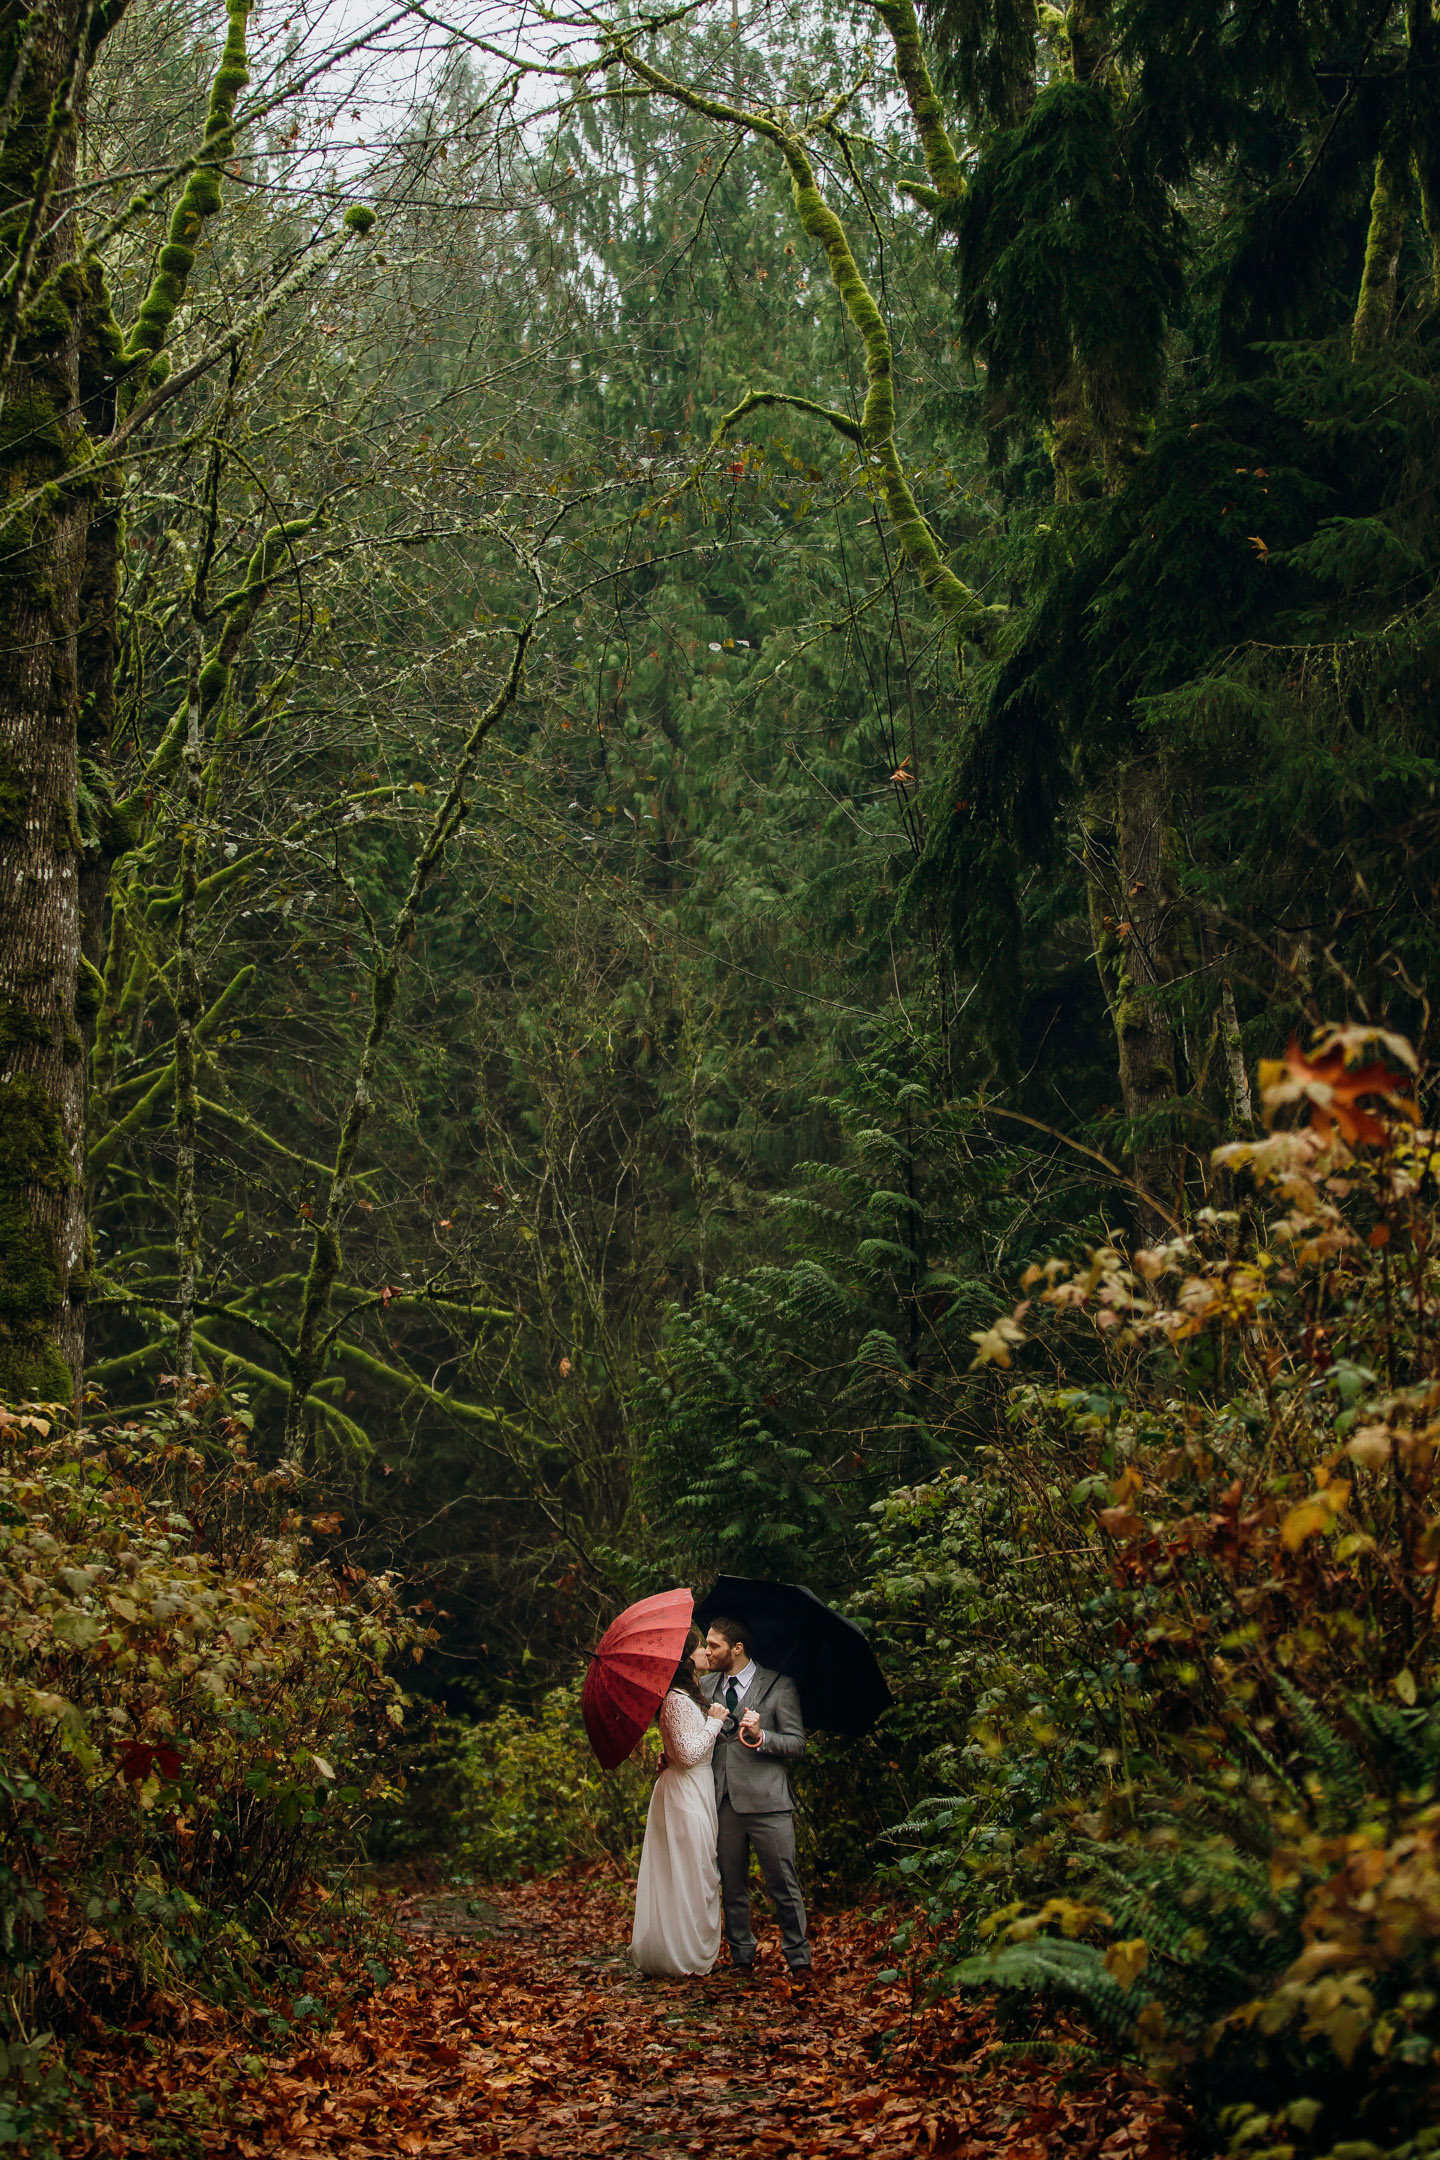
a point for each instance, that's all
(1336, 1088)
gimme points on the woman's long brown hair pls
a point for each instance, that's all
(684, 1678)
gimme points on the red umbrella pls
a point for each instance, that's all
(631, 1670)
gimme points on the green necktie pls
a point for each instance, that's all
(732, 1694)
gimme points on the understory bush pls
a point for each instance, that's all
(529, 1796)
(1172, 1643)
(534, 1798)
(195, 1709)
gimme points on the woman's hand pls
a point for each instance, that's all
(717, 1713)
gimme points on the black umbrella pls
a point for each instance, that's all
(841, 1685)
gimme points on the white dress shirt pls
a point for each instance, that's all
(742, 1680)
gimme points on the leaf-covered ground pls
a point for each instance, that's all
(516, 2026)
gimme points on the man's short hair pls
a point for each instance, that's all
(731, 1630)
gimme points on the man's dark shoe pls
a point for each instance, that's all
(801, 1977)
(742, 1972)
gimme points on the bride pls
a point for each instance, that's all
(677, 1899)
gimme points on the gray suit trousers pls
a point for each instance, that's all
(773, 1839)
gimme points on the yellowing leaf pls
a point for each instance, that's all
(1371, 1447)
(993, 1344)
(1125, 1961)
(1304, 1522)
(1314, 1516)
(1150, 2025)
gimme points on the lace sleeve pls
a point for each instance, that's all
(688, 1734)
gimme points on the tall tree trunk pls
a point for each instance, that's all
(1389, 208)
(1242, 1108)
(1144, 1024)
(1133, 915)
(43, 1257)
(1134, 923)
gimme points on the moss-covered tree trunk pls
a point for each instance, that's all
(1134, 924)
(42, 1100)
(1145, 1030)
(1385, 236)
(66, 373)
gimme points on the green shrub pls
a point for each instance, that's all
(426, 1819)
(525, 1795)
(535, 1799)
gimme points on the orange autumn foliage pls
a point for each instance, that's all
(534, 2036)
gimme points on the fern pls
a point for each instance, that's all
(1339, 1785)
(1408, 1738)
(1051, 1966)
(789, 1397)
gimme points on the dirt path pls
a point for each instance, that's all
(515, 2025)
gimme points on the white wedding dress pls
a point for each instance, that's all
(677, 1899)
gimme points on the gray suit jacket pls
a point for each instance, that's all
(754, 1779)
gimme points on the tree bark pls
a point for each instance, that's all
(1389, 208)
(1144, 1026)
(1133, 921)
(43, 1254)
(1242, 1108)
(187, 1017)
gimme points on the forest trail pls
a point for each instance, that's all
(513, 2023)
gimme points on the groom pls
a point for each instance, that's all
(752, 1792)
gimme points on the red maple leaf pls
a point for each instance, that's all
(139, 1757)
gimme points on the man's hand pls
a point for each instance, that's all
(750, 1725)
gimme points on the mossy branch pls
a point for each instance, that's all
(102, 1053)
(246, 1124)
(104, 1150)
(954, 601)
(753, 399)
(261, 1376)
(201, 198)
(357, 222)
(239, 607)
(926, 110)
(948, 594)
(29, 40)
(164, 904)
(464, 1413)
(363, 1300)
(151, 1353)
